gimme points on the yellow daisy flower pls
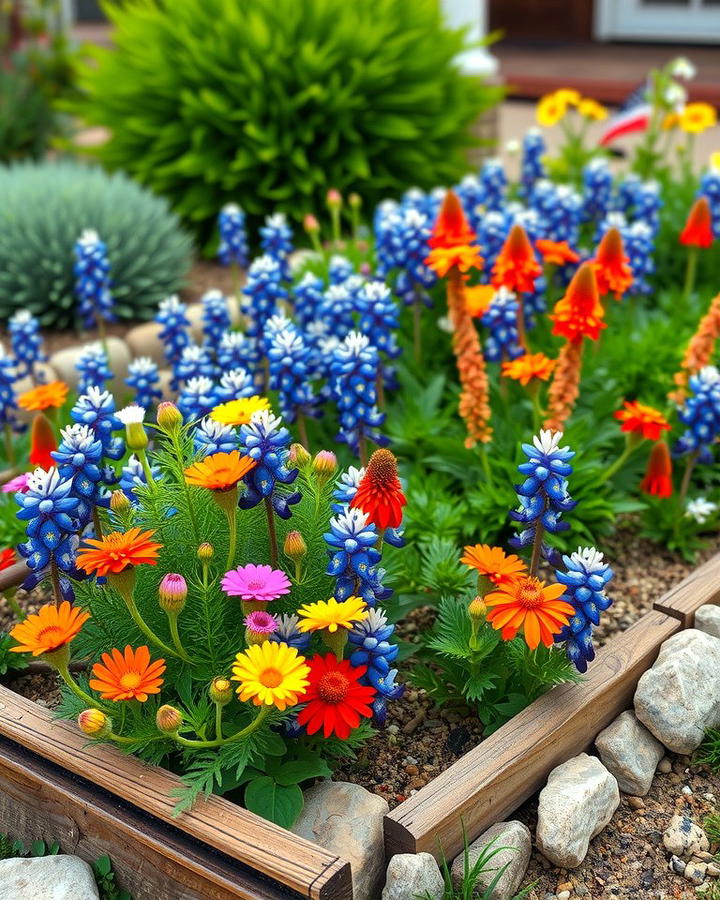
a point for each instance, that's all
(239, 412)
(270, 674)
(331, 615)
(697, 117)
(591, 109)
(671, 120)
(550, 109)
(568, 95)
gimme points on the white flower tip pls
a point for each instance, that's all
(131, 415)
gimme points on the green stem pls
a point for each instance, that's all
(97, 523)
(417, 326)
(173, 623)
(537, 548)
(119, 739)
(55, 580)
(619, 462)
(142, 456)
(9, 446)
(64, 672)
(690, 273)
(139, 621)
(218, 721)
(13, 604)
(177, 448)
(689, 467)
(220, 742)
(302, 431)
(272, 533)
(232, 533)
(362, 449)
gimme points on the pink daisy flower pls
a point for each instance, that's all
(260, 583)
(17, 485)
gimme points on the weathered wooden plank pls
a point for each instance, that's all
(294, 862)
(494, 778)
(13, 575)
(39, 800)
(700, 587)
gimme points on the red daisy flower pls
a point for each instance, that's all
(42, 442)
(698, 231)
(335, 700)
(380, 494)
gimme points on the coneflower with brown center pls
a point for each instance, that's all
(699, 351)
(380, 494)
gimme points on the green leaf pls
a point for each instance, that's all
(278, 803)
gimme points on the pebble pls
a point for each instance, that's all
(636, 802)
(563, 895)
(676, 865)
(683, 838)
(713, 870)
(687, 790)
(695, 872)
(664, 766)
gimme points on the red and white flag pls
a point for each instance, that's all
(632, 117)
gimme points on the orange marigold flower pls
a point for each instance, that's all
(42, 443)
(530, 604)
(614, 275)
(516, 267)
(478, 298)
(556, 253)
(580, 313)
(638, 418)
(117, 550)
(127, 676)
(442, 259)
(494, 563)
(658, 475)
(44, 396)
(529, 366)
(50, 628)
(698, 231)
(451, 228)
(219, 472)
(380, 494)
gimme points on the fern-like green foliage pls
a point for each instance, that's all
(271, 102)
(46, 206)
(10, 661)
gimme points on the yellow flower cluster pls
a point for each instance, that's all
(693, 118)
(553, 107)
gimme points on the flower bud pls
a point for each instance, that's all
(172, 593)
(324, 465)
(169, 417)
(168, 719)
(334, 199)
(221, 691)
(477, 610)
(205, 552)
(94, 723)
(299, 456)
(119, 503)
(259, 625)
(295, 547)
(311, 224)
(355, 200)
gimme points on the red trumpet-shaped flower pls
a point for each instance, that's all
(42, 442)
(614, 275)
(698, 230)
(556, 253)
(579, 313)
(452, 242)
(658, 476)
(516, 267)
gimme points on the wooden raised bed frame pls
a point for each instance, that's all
(95, 800)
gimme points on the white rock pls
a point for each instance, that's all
(144, 340)
(63, 362)
(47, 878)
(630, 753)
(413, 875)
(683, 837)
(348, 820)
(517, 841)
(678, 699)
(576, 804)
(707, 619)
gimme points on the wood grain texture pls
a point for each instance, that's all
(700, 587)
(14, 575)
(244, 837)
(494, 778)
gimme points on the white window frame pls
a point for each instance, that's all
(631, 20)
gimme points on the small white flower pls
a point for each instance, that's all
(512, 147)
(88, 237)
(231, 209)
(276, 220)
(142, 365)
(201, 384)
(265, 421)
(675, 96)
(131, 415)
(709, 375)
(681, 67)
(547, 441)
(263, 264)
(589, 558)
(355, 342)
(700, 509)
(444, 324)
(171, 304)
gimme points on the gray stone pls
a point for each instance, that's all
(413, 875)
(630, 753)
(348, 820)
(696, 872)
(677, 865)
(47, 878)
(707, 619)
(678, 699)
(64, 361)
(683, 837)
(516, 840)
(577, 802)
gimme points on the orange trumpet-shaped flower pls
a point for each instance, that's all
(658, 476)
(42, 442)
(529, 366)
(556, 253)
(516, 267)
(116, 551)
(637, 418)
(580, 313)
(698, 231)
(614, 275)
(530, 604)
(565, 387)
(127, 676)
(452, 242)
(700, 350)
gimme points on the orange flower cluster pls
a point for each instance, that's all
(529, 366)
(637, 418)
(42, 443)
(493, 563)
(698, 231)
(453, 242)
(556, 253)
(478, 299)
(44, 396)
(127, 676)
(516, 267)
(700, 349)
(565, 387)
(580, 313)
(614, 275)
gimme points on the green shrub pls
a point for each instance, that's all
(27, 119)
(271, 102)
(43, 210)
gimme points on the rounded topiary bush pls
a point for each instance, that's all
(44, 207)
(268, 103)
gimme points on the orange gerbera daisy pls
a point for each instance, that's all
(42, 443)
(614, 275)
(556, 253)
(452, 242)
(335, 700)
(516, 267)
(530, 604)
(658, 475)
(637, 418)
(117, 550)
(380, 494)
(127, 676)
(698, 231)
(579, 313)
(494, 563)
(219, 472)
(478, 298)
(50, 628)
(44, 396)
(529, 366)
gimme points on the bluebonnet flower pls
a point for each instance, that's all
(274, 325)
(639, 244)
(234, 385)
(79, 460)
(262, 291)
(544, 494)
(379, 317)
(339, 268)
(233, 238)
(532, 166)
(194, 362)
(239, 351)
(197, 398)
(354, 370)
(354, 558)
(501, 319)
(401, 244)
(92, 364)
(471, 194)
(96, 408)
(213, 437)
(648, 203)
(585, 578)
(415, 198)
(276, 240)
(371, 638)
(133, 476)
(174, 330)
(144, 377)
(710, 187)
(287, 633)
(597, 189)
(558, 208)
(50, 510)
(626, 193)
(8, 376)
(266, 441)
(701, 415)
(215, 316)
(337, 308)
(25, 342)
(308, 297)
(289, 363)
(493, 181)
(492, 229)
(92, 279)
